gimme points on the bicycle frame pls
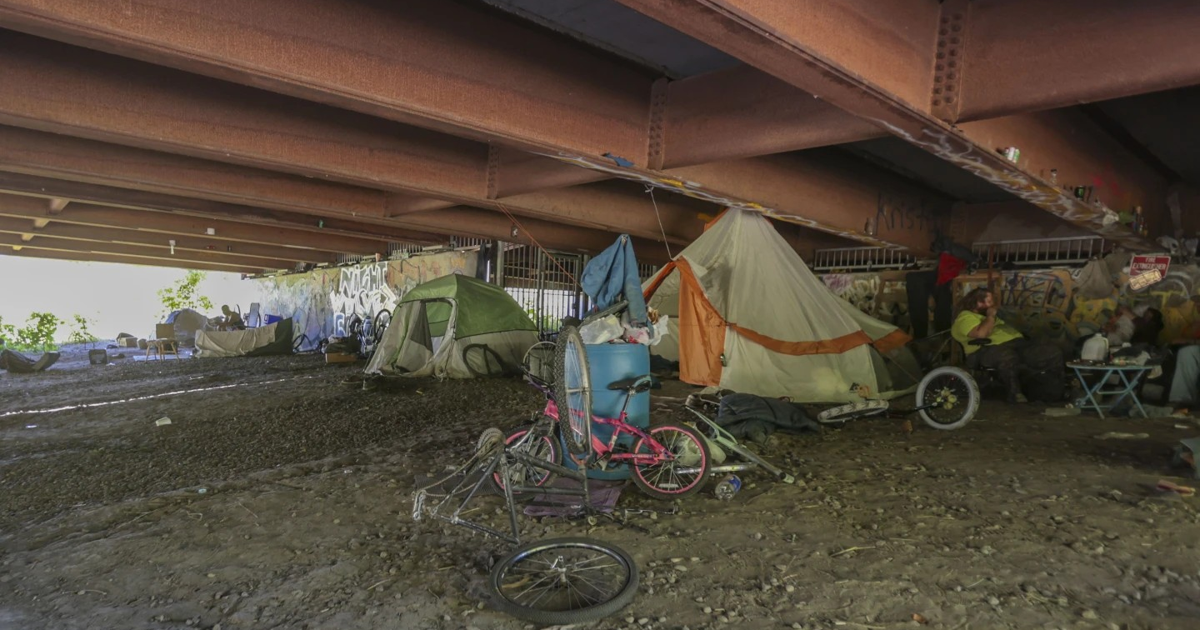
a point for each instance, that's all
(606, 451)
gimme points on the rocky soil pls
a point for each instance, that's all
(279, 496)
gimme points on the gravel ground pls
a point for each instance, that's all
(1016, 521)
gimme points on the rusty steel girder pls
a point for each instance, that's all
(363, 228)
(27, 252)
(94, 234)
(878, 74)
(39, 242)
(63, 157)
(452, 172)
(25, 207)
(1029, 55)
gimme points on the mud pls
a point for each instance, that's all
(285, 502)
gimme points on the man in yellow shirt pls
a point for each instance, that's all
(1009, 351)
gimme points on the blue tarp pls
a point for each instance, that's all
(613, 274)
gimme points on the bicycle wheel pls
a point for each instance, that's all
(543, 448)
(573, 391)
(680, 475)
(952, 398)
(564, 581)
(382, 319)
(851, 411)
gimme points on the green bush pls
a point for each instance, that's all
(80, 332)
(184, 295)
(8, 333)
(37, 334)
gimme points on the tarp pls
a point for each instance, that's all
(454, 327)
(272, 339)
(187, 323)
(752, 318)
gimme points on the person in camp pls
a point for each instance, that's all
(233, 320)
(1009, 352)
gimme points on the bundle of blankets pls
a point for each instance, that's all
(754, 418)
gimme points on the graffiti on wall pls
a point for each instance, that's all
(362, 291)
(322, 302)
(1041, 303)
(884, 298)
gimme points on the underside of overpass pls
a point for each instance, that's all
(254, 136)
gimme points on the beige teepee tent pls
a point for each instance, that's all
(752, 318)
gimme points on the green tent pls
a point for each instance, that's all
(457, 327)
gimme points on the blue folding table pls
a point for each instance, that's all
(1129, 375)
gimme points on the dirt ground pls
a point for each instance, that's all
(280, 497)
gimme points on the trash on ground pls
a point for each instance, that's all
(162, 422)
(1170, 486)
(1117, 435)
(1061, 412)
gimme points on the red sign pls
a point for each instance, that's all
(1141, 264)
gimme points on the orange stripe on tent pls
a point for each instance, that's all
(895, 339)
(714, 221)
(701, 332)
(658, 280)
(836, 345)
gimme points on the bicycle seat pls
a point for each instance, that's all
(633, 384)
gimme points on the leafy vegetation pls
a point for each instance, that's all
(79, 330)
(37, 333)
(185, 294)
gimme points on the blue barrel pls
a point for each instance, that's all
(607, 363)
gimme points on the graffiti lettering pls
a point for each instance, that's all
(892, 214)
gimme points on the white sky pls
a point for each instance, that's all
(119, 298)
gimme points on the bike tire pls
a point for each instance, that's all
(573, 392)
(954, 413)
(851, 411)
(659, 481)
(382, 319)
(546, 449)
(569, 602)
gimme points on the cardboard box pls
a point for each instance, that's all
(340, 357)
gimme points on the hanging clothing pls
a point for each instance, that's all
(921, 286)
(949, 266)
(612, 276)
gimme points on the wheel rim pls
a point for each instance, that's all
(381, 323)
(563, 577)
(947, 396)
(522, 474)
(686, 452)
(573, 394)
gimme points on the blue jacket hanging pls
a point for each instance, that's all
(612, 274)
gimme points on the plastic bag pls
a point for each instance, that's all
(602, 330)
(661, 329)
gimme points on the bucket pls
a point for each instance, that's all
(98, 356)
(607, 363)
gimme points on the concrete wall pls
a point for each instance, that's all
(1041, 303)
(322, 301)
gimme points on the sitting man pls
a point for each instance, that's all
(233, 321)
(1008, 350)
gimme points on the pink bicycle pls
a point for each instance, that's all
(665, 461)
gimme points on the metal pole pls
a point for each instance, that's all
(499, 275)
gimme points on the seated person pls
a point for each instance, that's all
(233, 321)
(1120, 327)
(1148, 326)
(1008, 351)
